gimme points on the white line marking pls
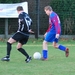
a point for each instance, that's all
(34, 45)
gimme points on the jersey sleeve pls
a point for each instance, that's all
(56, 22)
(21, 20)
(48, 28)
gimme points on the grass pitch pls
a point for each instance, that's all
(57, 63)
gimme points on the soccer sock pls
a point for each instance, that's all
(45, 55)
(23, 52)
(63, 48)
(8, 49)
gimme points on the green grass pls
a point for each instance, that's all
(57, 63)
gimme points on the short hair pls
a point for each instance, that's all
(48, 8)
(19, 8)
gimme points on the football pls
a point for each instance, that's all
(37, 55)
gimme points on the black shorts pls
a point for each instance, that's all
(21, 38)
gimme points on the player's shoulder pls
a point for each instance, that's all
(53, 14)
(22, 14)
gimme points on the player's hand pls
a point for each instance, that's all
(57, 36)
(45, 34)
(31, 31)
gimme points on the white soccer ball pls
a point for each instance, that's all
(37, 55)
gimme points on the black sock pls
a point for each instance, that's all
(23, 52)
(8, 49)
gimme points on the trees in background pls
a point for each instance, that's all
(66, 11)
(9, 1)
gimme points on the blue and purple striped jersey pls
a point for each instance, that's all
(54, 24)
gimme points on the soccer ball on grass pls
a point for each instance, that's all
(37, 55)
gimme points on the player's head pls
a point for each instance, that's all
(48, 9)
(19, 9)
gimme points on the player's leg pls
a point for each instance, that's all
(9, 47)
(13, 39)
(45, 50)
(48, 38)
(23, 40)
(20, 49)
(61, 47)
(23, 51)
(9, 43)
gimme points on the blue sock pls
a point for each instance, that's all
(45, 55)
(63, 48)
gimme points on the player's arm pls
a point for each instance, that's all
(48, 28)
(30, 31)
(56, 22)
(29, 22)
(21, 20)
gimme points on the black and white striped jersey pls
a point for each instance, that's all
(24, 22)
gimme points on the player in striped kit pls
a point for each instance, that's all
(21, 36)
(53, 33)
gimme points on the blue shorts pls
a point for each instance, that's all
(50, 37)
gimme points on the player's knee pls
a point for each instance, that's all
(8, 43)
(18, 49)
(54, 45)
(19, 46)
(44, 42)
(11, 41)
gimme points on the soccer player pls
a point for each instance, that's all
(21, 36)
(53, 33)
